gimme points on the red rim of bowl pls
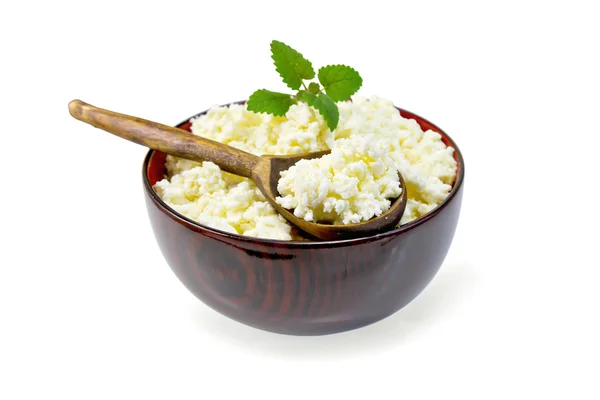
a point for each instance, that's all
(321, 243)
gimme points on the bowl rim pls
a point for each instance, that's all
(196, 226)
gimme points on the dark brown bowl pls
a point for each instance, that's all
(304, 288)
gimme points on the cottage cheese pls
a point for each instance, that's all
(352, 184)
(204, 193)
(223, 201)
(302, 130)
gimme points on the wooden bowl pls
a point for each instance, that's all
(304, 288)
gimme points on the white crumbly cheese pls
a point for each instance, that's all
(426, 163)
(204, 193)
(302, 130)
(223, 201)
(351, 184)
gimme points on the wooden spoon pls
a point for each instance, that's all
(264, 170)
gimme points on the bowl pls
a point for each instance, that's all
(304, 287)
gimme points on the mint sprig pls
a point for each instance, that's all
(339, 82)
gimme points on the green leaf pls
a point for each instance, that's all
(340, 81)
(265, 101)
(291, 65)
(314, 88)
(323, 103)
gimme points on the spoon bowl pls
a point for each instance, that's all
(265, 170)
(272, 166)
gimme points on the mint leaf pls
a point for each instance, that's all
(314, 88)
(291, 65)
(265, 101)
(323, 103)
(340, 81)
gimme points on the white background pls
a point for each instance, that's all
(90, 310)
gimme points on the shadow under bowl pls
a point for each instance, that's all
(304, 287)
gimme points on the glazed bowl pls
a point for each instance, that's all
(304, 287)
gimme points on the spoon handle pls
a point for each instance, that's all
(167, 139)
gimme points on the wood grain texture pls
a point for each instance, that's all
(304, 288)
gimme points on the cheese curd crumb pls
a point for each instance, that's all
(223, 201)
(353, 183)
(425, 162)
(301, 130)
